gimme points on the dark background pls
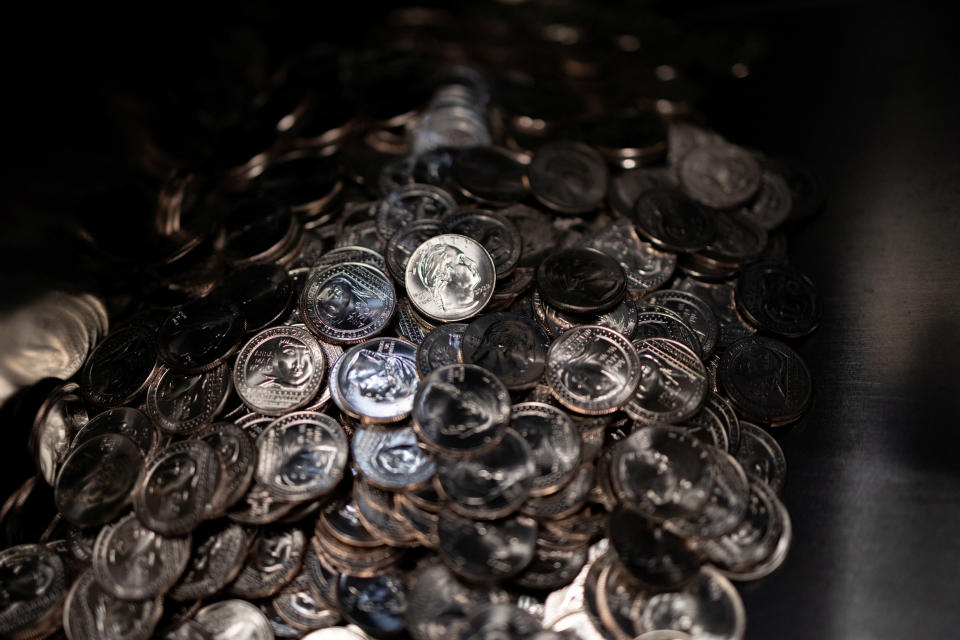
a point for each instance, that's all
(867, 94)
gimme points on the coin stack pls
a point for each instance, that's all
(428, 377)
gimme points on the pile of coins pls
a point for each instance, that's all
(472, 388)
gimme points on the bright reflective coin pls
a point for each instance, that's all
(592, 370)
(234, 620)
(376, 380)
(450, 278)
(391, 459)
(301, 456)
(279, 370)
(673, 382)
(348, 302)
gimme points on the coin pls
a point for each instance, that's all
(349, 253)
(568, 500)
(694, 312)
(622, 318)
(262, 292)
(377, 604)
(761, 456)
(391, 459)
(121, 366)
(259, 507)
(237, 453)
(778, 299)
(554, 443)
(272, 562)
(405, 241)
(645, 267)
(91, 613)
(216, 558)
(568, 177)
(674, 222)
(94, 483)
(766, 380)
(376, 379)
(461, 409)
(508, 345)
(179, 403)
(537, 231)
(627, 186)
(720, 298)
(125, 421)
(34, 587)
(257, 230)
(660, 322)
(339, 518)
(279, 370)
(199, 335)
(58, 420)
(673, 382)
(772, 204)
(650, 553)
(179, 488)
(348, 303)
(708, 607)
(234, 620)
(132, 562)
(299, 607)
(336, 633)
(581, 280)
(408, 325)
(486, 551)
(440, 347)
(377, 511)
(495, 232)
(722, 176)
(410, 203)
(737, 243)
(439, 604)
(450, 277)
(301, 456)
(592, 370)
(727, 505)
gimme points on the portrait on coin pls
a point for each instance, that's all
(588, 372)
(506, 346)
(451, 276)
(280, 362)
(343, 302)
(380, 376)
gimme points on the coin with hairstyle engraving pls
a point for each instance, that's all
(508, 345)
(301, 456)
(486, 551)
(498, 235)
(440, 347)
(91, 613)
(411, 203)
(121, 366)
(234, 620)
(376, 380)
(180, 403)
(721, 176)
(348, 302)
(673, 382)
(767, 381)
(660, 322)
(200, 334)
(568, 177)
(450, 278)
(34, 585)
(391, 459)
(94, 483)
(674, 222)
(279, 370)
(581, 280)
(272, 562)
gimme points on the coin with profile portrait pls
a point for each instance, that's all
(376, 380)
(450, 277)
(348, 303)
(301, 456)
(279, 370)
(391, 459)
(179, 403)
(673, 382)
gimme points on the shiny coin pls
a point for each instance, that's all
(301, 456)
(720, 298)
(339, 518)
(376, 380)
(440, 347)
(708, 607)
(727, 505)
(262, 292)
(721, 176)
(622, 318)
(379, 515)
(348, 303)
(592, 370)
(299, 606)
(581, 280)
(391, 459)
(411, 203)
(273, 562)
(404, 242)
(364, 562)
(450, 278)
(508, 345)
(200, 335)
(439, 604)
(408, 325)
(660, 322)
(568, 177)
(645, 267)
(461, 409)
(766, 380)
(486, 551)
(121, 366)
(61, 416)
(489, 175)
(279, 370)
(495, 232)
(651, 554)
(259, 507)
(568, 500)
(94, 484)
(234, 620)
(554, 442)
(492, 484)
(134, 563)
(91, 613)
(336, 633)
(237, 452)
(778, 299)
(696, 313)
(501, 621)
(34, 586)
(180, 485)
(552, 569)
(673, 382)
(662, 472)
(124, 421)
(761, 456)
(377, 605)
(349, 253)
(179, 403)
(216, 558)
(674, 222)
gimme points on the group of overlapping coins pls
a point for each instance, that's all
(519, 397)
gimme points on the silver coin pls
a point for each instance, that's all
(60, 418)
(771, 206)
(440, 347)
(234, 620)
(376, 604)
(301, 608)
(391, 459)
(673, 382)
(91, 613)
(592, 370)
(238, 454)
(568, 177)
(554, 442)
(349, 253)
(272, 563)
(403, 243)
(215, 560)
(125, 421)
(94, 483)
(336, 633)
(34, 585)
(348, 302)
(340, 519)
(662, 472)
(179, 487)
(423, 523)
(132, 562)
(552, 569)
(696, 313)
(301, 456)
(708, 607)
(411, 203)
(498, 235)
(720, 298)
(259, 507)
(761, 456)
(492, 484)
(660, 322)
(377, 511)
(708, 425)
(570, 499)
(684, 136)
(408, 324)
(450, 278)
(627, 186)
(279, 370)
(508, 345)
(645, 267)
(376, 380)
(461, 409)
(121, 367)
(439, 604)
(486, 551)
(727, 504)
(622, 318)
(179, 403)
(722, 176)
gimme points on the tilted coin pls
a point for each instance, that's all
(378, 512)
(501, 621)
(568, 177)
(180, 485)
(377, 604)
(350, 253)
(121, 366)
(508, 345)
(404, 242)
(125, 421)
(376, 380)
(440, 347)
(34, 586)
(592, 370)
(489, 175)
(581, 280)
(299, 607)
(262, 292)
(348, 302)
(737, 243)
(627, 186)
(279, 370)
(662, 472)
(411, 203)
(778, 299)
(568, 500)
(408, 325)
(257, 230)
(766, 380)
(216, 558)
(179, 403)
(439, 604)
(708, 607)
(645, 267)
(660, 322)
(200, 335)
(674, 222)
(554, 443)
(673, 382)
(486, 551)
(650, 553)
(91, 613)
(708, 425)
(696, 313)
(391, 459)
(551, 569)
(59, 419)
(134, 563)
(339, 519)
(720, 298)
(301, 456)
(234, 620)
(495, 232)
(722, 176)
(238, 454)
(621, 318)
(761, 456)
(259, 507)
(461, 409)
(492, 484)
(450, 277)
(727, 505)
(94, 483)
(272, 562)
(364, 562)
